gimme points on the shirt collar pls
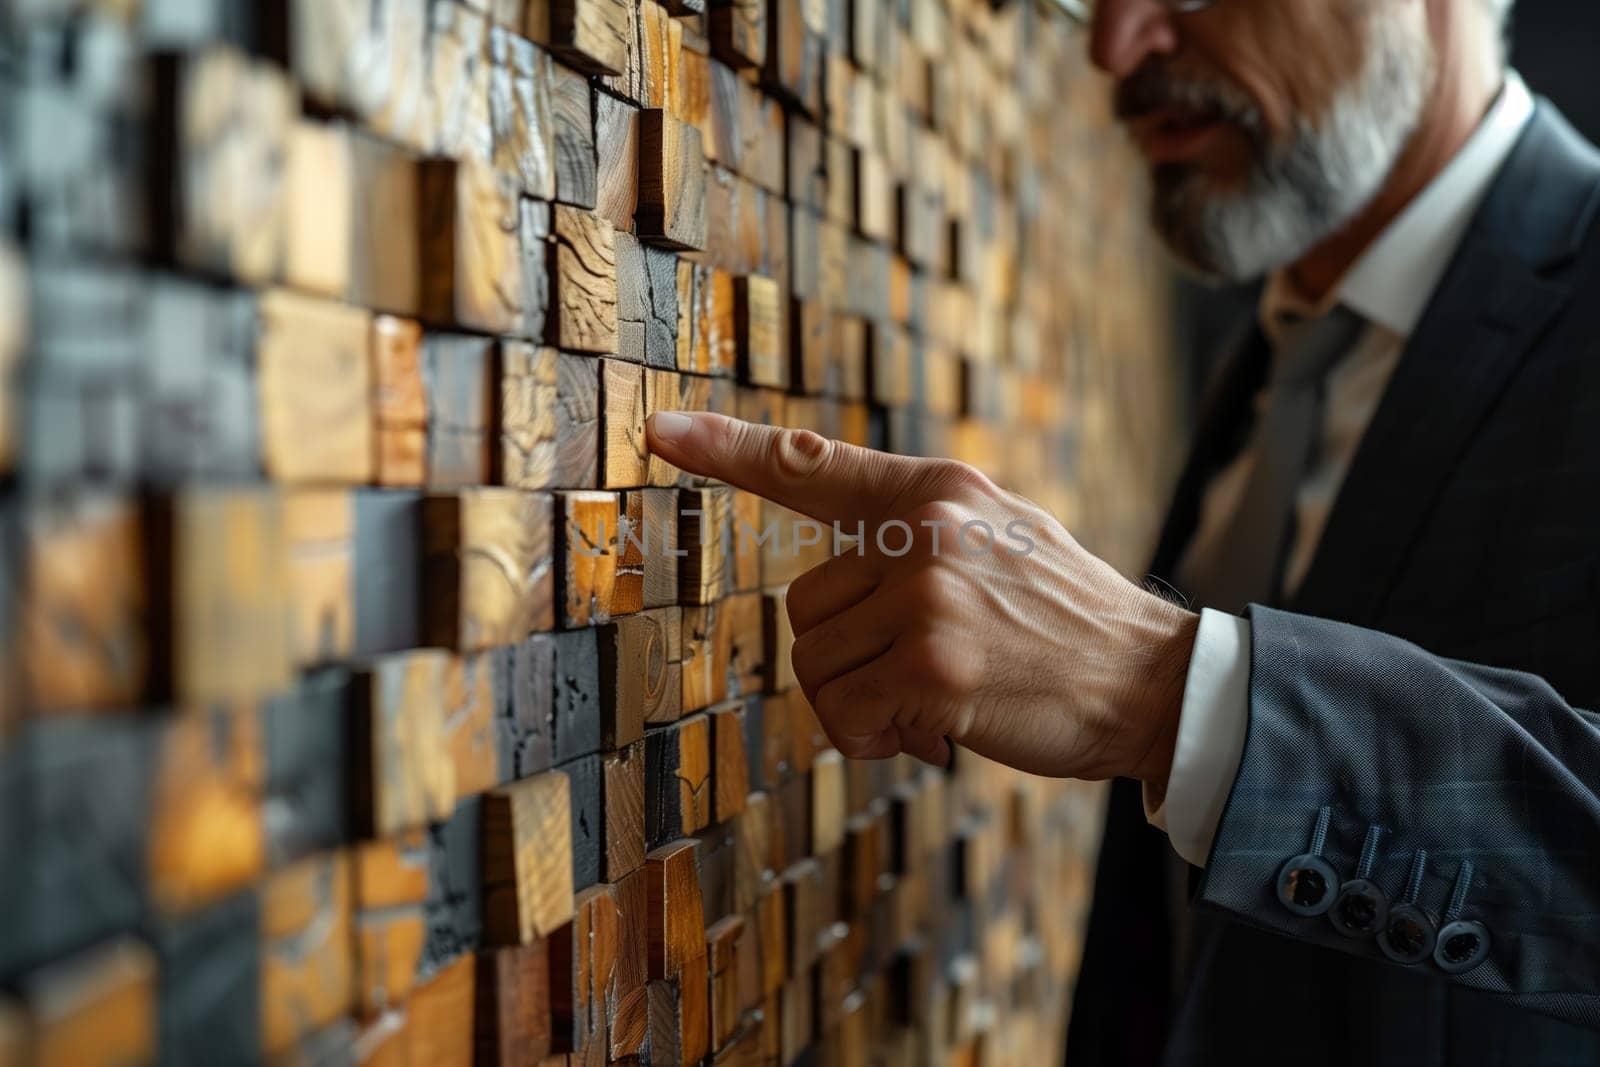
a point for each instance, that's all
(1394, 279)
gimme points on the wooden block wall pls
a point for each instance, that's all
(337, 723)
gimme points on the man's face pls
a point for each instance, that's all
(1267, 124)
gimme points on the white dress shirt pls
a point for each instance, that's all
(1390, 287)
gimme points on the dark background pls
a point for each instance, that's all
(1555, 47)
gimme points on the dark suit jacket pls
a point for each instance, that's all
(1468, 527)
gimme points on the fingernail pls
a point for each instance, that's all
(670, 425)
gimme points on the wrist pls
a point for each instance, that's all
(1156, 704)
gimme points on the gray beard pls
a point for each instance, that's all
(1300, 195)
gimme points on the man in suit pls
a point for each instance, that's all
(1369, 746)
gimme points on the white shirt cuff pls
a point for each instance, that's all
(1211, 727)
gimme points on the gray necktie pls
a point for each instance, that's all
(1245, 564)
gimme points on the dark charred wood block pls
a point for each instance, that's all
(576, 700)
(524, 685)
(74, 800)
(305, 797)
(454, 907)
(210, 974)
(387, 571)
(588, 819)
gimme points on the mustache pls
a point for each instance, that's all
(1154, 86)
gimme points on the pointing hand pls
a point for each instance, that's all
(968, 614)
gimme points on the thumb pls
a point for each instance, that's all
(828, 480)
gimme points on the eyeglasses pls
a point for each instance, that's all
(1082, 11)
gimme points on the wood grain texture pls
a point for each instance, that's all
(723, 944)
(456, 121)
(404, 774)
(534, 249)
(472, 260)
(731, 773)
(389, 881)
(758, 332)
(583, 312)
(586, 562)
(307, 971)
(647, 303)
(487, 566)
(629, 1023)
(745, 544)
(680, 1015)
(676, 921)
(577, 422)
(663, 392)
(315, 388)
(742, 618)
(588, 35)
(672, 203)
(703, 533)
(529, 414)
(752, 869)
(660, 510)
(662, 40)
(521, 113)
(627, 593)
(706, 647)
(695, 796)
(527, 859)
(624, 457)
(512, 1018)
(572, 112)
(579, 972)
(616, 144)
(622, 794)
(642, 674)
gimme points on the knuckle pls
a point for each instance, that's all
(943, 512)
(933, 591)
(799, 454)
(960, 477)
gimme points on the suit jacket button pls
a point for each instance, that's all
(1408, 936)
(1360, 909)
(1461, 946)
(1306, 885)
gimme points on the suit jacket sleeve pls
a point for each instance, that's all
(1477, 791)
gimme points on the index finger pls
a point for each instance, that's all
(828, 480)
